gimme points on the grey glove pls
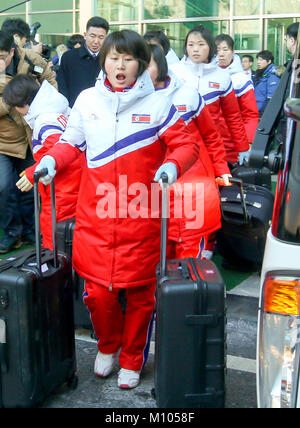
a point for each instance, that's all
(49, 163)
(243, 157)
(170, 169)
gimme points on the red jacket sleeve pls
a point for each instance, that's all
(64, 154)
(47, 145)
(250, 114)
(213, 141)
(183, 150)
(232, 115)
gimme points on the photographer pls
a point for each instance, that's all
(17, 28)
(39, 47)
(16, 210)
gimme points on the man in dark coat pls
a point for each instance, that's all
(80, 67)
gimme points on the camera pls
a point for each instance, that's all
(46, 49)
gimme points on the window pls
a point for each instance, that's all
(246, 35)
(118, 10)
(176, 32)
(54, 22)
(41, 5)
(8, 3)
(282, 6)
(247, 7)
(158, 9)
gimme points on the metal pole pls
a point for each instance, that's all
(12, 7)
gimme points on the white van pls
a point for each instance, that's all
(278, 338)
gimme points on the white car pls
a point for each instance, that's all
(278, 344)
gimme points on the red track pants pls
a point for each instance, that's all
(188, 248)
(129, 330)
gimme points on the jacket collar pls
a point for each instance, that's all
(173, 85)
(199, 69)
(48, 100)
(234, 67)
(125, 99)
(84, 52)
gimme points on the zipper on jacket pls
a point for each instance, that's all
(115, 183)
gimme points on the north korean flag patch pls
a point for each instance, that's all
(141, 118)
(214, 85)
(181, 108)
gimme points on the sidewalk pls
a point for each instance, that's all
(94, 392)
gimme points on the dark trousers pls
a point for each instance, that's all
(16, 208)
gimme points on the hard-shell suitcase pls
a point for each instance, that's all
(190, 332)
(65, 231)
(37, 344)
(259, 177)
(246, 217)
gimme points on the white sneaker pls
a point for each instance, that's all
(128, 379)
(104, 364)
(207, 254)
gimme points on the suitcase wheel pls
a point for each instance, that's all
(73, 382)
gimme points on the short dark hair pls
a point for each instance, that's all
(266, 55)
(160, 37)
(207, 36)
(160, 59)
(225, 38)
(20, 91)
(16, 26)
(250, 57)
(292, 30)
(74, 39)
(6, 41)
(97, 21)
(129, 42)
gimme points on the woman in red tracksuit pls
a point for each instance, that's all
(198, 69)
(130, 135)
(188, 235)
(243, 87)
(46, 112)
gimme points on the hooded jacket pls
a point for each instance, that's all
(47, 117)
(125, 136)
(15, 135)
(244, 91)
(265, 86)
(192, 109)
(216, 88)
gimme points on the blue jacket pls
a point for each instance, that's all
(265, 87)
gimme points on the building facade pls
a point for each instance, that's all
(254, 24)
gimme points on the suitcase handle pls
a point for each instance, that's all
(38, 244)
(242, 201)
(163, 234)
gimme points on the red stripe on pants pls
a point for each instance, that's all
(115, 330)
(187, 248)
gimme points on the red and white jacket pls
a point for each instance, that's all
(215, 86)
(125, 136)
(211, 162)
(244, 91)
(47, 117)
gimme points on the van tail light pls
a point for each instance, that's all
(278, 342)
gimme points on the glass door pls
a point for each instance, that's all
(275, 30)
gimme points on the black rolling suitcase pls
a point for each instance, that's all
(190, 332)
(259, 177)
(246, 217)
(37, 345)
(65, 231)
